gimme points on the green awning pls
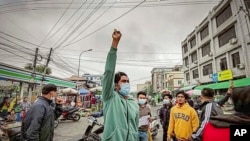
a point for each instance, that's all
(185, 88)
(225, 85)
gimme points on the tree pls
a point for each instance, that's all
(39, 68)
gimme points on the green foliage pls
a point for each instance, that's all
(39, 68)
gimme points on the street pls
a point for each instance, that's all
(73, 131)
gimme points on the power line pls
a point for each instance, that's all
(107, 24)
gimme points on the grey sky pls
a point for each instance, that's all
(152, 33)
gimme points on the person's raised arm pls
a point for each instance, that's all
(108, 78)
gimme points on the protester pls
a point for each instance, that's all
(121, 112)
(217, 129)
(4, 107)
(25, 106)
(183, 119)
(208, 108)
(12, 116)
(145, 112)
(164, 113)
(38, 124)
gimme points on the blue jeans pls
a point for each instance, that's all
(143, 136)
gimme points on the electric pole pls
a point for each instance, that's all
(33, 74)
(45, 68)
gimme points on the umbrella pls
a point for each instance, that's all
(67, 91)
(83, 91)
(98, 88)
(194, 92)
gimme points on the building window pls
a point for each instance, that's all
(226, 36)
(195, 74)
(186, 61)
(192, 42)
(204, 32)
(179, 82)
(187, 77)
(207, 69)
(205, 50)
(223, 16)
(235, 59)
(194, 56)
(223, 64)
(185, 48)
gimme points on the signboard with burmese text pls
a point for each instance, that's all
(225, 75)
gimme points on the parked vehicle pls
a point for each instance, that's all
(154, 126)
(92, 136)
(71, 114)
(10, 131)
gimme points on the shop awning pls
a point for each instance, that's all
(185, 88)
(225, 85)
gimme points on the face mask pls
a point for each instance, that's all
(165, 101)
(125, 89)
(142, 101)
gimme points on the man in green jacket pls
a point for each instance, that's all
(121, 112)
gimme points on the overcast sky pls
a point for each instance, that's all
(152, 33)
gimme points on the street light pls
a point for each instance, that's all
(80, 60)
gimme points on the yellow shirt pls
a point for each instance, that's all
(183, 121)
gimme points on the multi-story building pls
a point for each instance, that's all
(166, 78)
(146, 87)
(219, 48)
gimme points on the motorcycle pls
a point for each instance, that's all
(92, 136)
(10, 131)
(70, 114)
(154, 126)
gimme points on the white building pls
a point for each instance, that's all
(167, 78)
(218, 49)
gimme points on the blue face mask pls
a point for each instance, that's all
(142, 101)
(166, 101)
(125, 89)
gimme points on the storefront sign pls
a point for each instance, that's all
(225, 75)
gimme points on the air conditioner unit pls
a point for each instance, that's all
(210, 54)
(196, 62)
(241, 66)
(233, 41)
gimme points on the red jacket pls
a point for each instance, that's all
(211, 133)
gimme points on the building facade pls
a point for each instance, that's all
(219, 48)
(166, 78)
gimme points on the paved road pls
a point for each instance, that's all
(72, 131)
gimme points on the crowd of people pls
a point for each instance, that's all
(128, 119)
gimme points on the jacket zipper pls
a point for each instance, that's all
(127, 120)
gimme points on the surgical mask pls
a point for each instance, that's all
(166, 101)
(142, 101)
(125, 89)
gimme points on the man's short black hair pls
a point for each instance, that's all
(207, 92)
(241, 99)
(183, 93)
(118, 76)
(48, 88)
(168, 95)
(141, 92)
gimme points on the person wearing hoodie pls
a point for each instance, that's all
(144, 112)
(217, 129)
(164, 113)
(183, 119)
(121, 112)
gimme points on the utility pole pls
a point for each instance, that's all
(33, 74)
(45, 68)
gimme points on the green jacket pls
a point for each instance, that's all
(121, 116)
